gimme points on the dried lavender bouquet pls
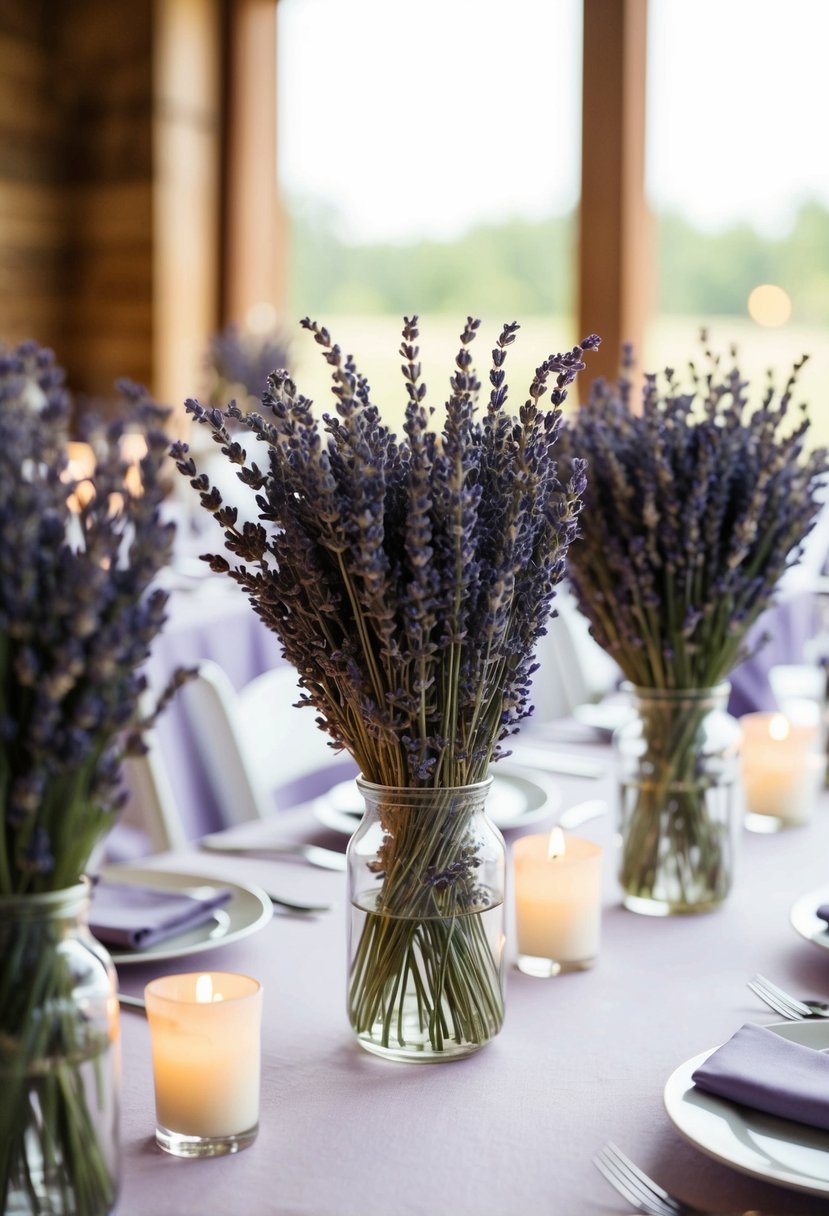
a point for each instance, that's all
(76, 622)
(408, 579)
(695, 507)
(77, 617)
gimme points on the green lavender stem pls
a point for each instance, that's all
(676, 830)
(424, 943)
(55, 1145)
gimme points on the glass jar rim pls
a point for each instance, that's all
(64, 901)
(372, 787)
(648, 692)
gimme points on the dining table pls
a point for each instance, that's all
(210, 618)
(583, 1057)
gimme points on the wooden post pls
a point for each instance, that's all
(254, 272)
(614, 231)
(186, 181)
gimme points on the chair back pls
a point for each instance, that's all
(260, 752)
(573, 668)
(150, 821)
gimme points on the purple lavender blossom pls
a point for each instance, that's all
(409, 578)
(77, 616)
(695, 508)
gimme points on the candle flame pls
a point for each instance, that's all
(778, 728)
(556, 846)
(204, 989)
(133, 450)
(80, 466)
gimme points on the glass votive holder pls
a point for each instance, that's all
(205, 1031)
(558, 903)
(783, 771)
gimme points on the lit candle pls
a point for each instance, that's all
(558, 899)
(80, 465)
(783, 769)
(205, 1032)
(133, 449)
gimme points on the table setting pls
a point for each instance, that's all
(650, 1004)
(580, 917)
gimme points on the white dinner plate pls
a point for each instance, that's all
(777, 1150)
(606, 716)
(807, 924)
(513, 801)
(248, 910)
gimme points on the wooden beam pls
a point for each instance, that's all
(614, 230)
(254, 272)
(186, 191)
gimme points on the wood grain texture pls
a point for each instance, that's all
(31, 236)
(614, 253)
(255, 222)
(109, 186)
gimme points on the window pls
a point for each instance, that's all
(429, 165)
(738, 180)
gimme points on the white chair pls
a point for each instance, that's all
(573, 668)
(149, 821)
(260, 752)
(152, 807)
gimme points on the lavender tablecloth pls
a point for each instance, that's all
(510, 1131)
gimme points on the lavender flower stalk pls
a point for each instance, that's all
(695, 508)
(77, 616)
(408, 579)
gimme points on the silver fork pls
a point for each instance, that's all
(784, 1003)
(642, 1192)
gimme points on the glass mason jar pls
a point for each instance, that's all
(426, 872)
(678, 768)
(59, 1059)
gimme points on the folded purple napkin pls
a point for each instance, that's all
(758, 1068)
(132, 917)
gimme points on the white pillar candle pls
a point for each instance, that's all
(783, 767)
(205, 1034)
(558, 897)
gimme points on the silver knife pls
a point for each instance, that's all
(314, 854)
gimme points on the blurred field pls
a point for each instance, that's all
(672, 341)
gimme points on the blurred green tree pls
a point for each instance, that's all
(526, 267)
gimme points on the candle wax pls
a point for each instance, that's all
(558, 900)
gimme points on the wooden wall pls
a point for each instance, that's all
(98, 222)
(31, 227)
(104, 80)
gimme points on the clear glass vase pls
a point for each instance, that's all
(59, 1059)
(426, 873)
(678, 767)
